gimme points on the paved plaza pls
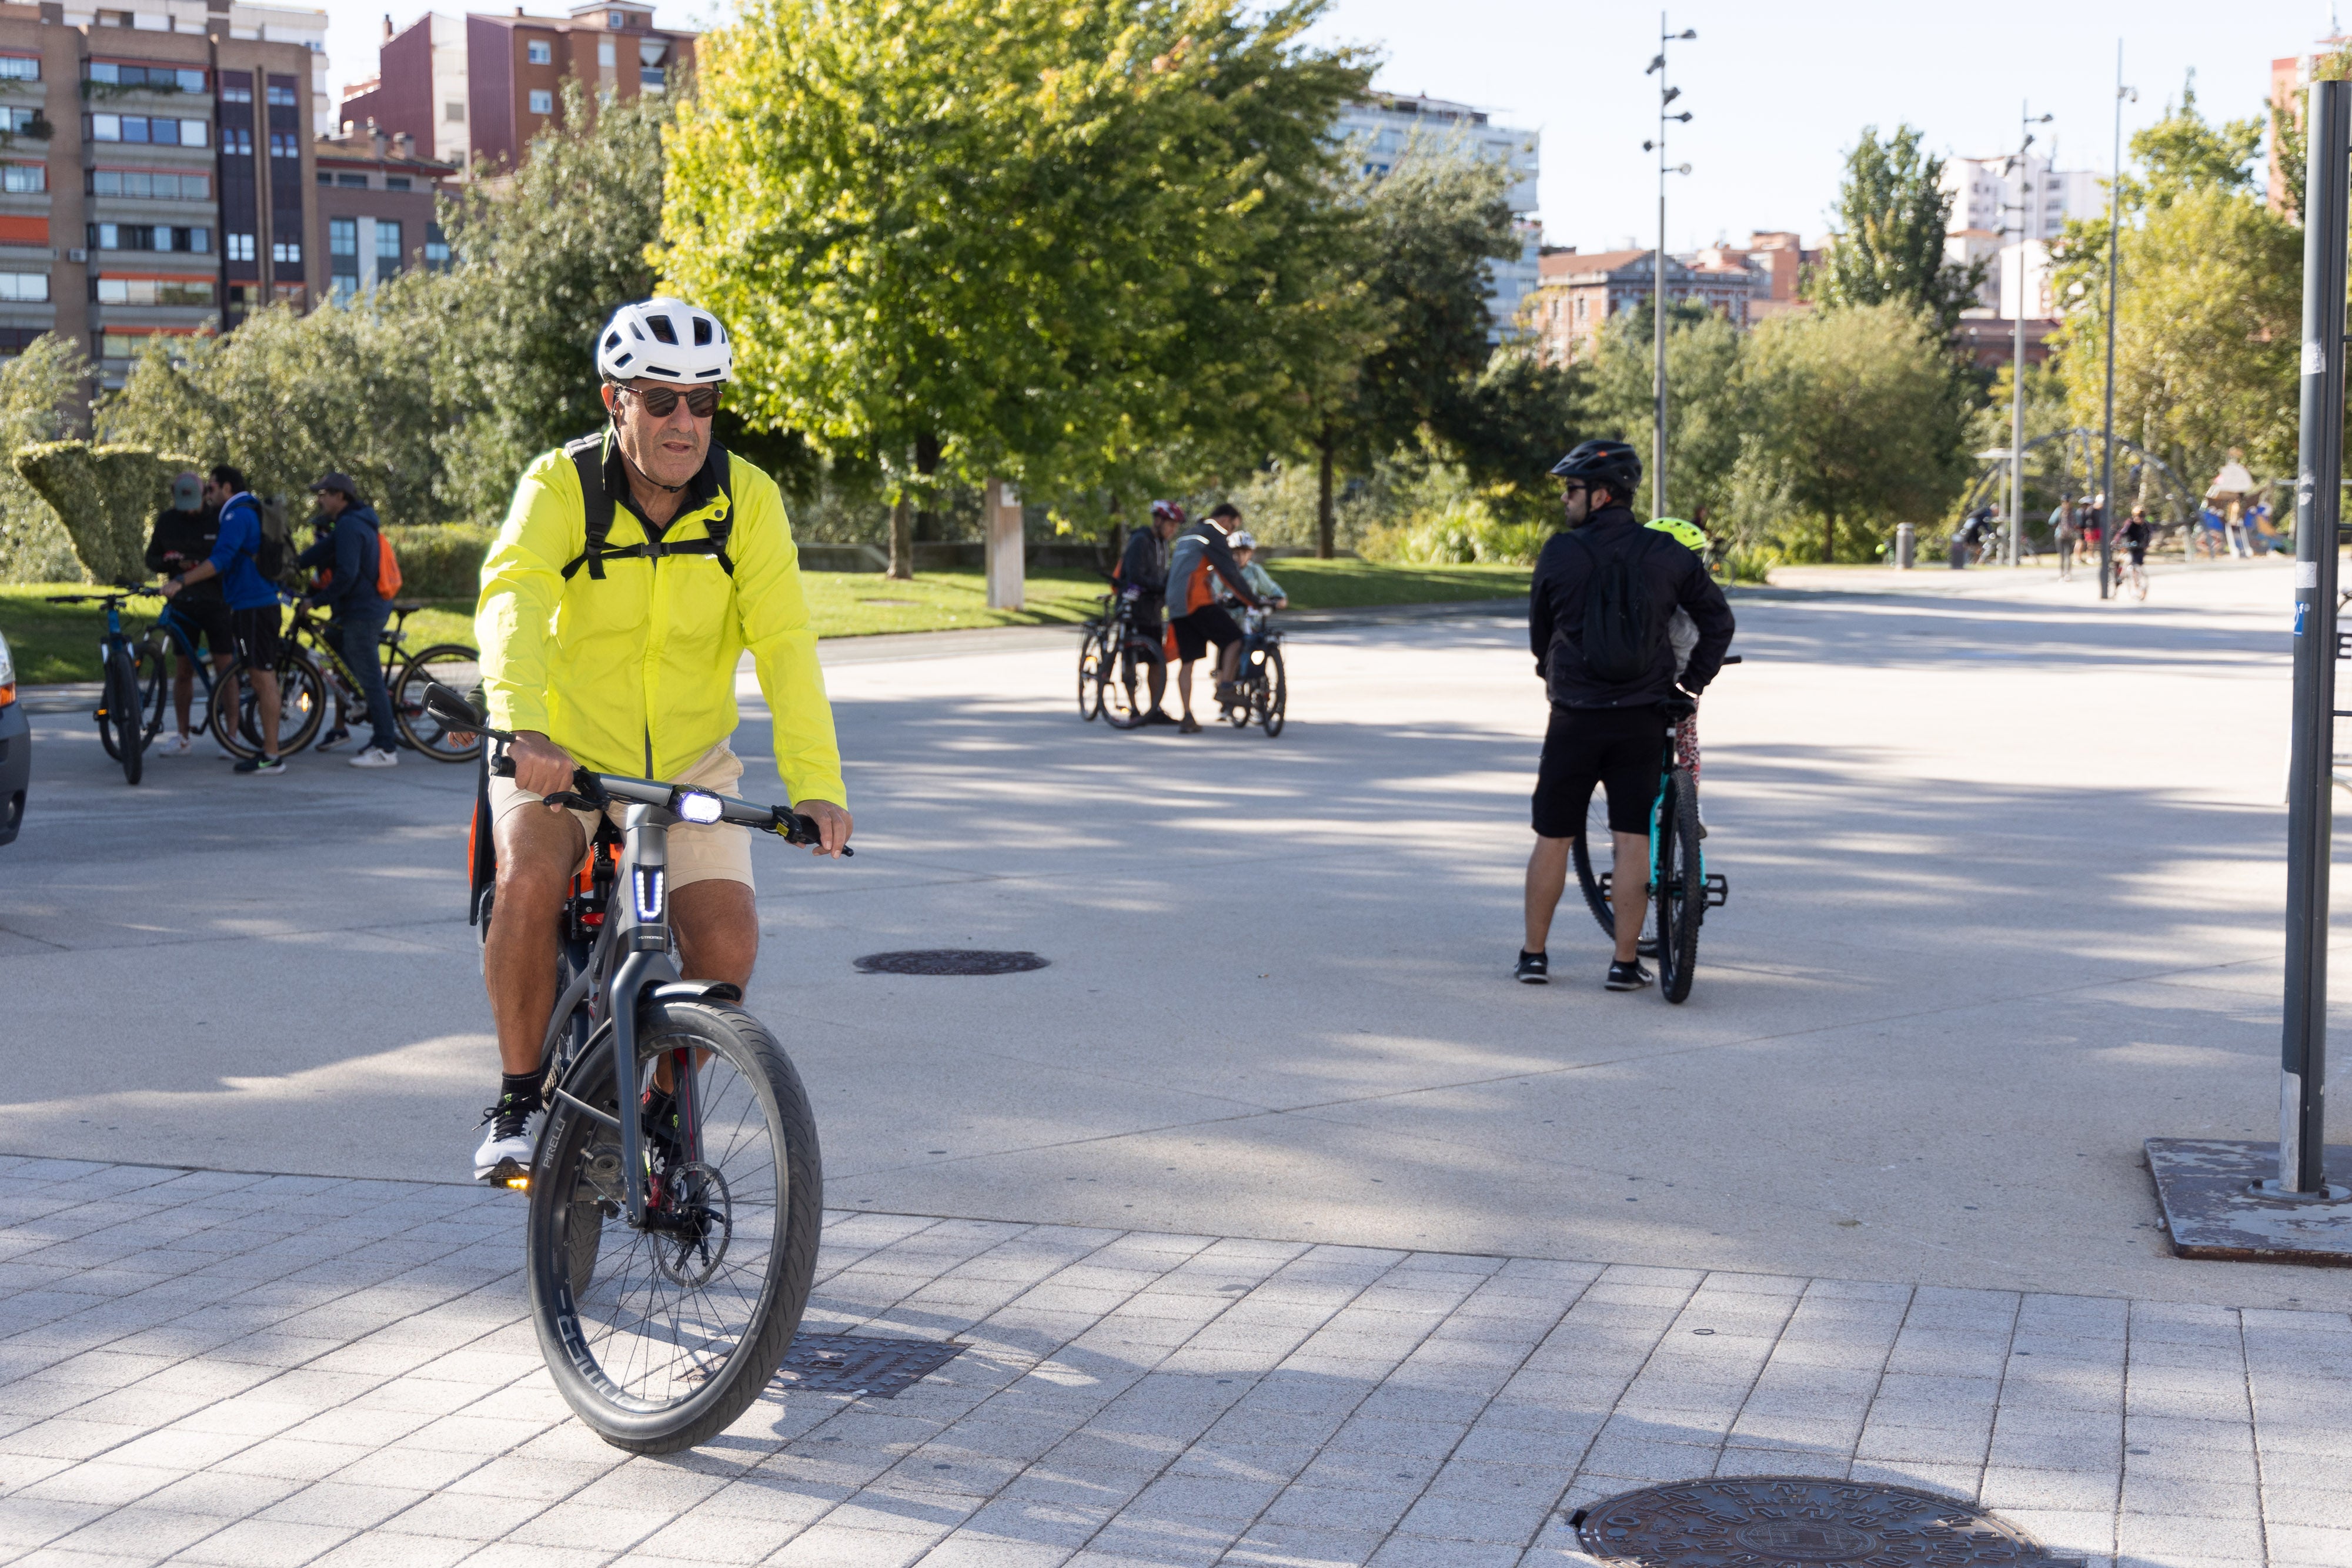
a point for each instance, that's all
(1277, 1226)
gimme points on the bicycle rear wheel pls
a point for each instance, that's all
(1681, 887)
(1127, 690)
(1273, 711)
(1091, 658)
(660, 1337)
(122, 723)
(451, 665)
(154, 676)
(236, 718)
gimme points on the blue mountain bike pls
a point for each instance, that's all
(120, 712)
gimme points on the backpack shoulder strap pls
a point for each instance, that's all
(722, 527)
(587, 455)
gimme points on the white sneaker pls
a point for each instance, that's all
(505, 1154)
(174, 745)
(373, 756)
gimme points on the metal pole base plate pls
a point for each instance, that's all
(2214, 1206)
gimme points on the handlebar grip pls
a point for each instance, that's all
(1731, 658)
(796, 828)
(501, 766)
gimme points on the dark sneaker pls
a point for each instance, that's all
(1160, 715)
(1628, 976)
(504, 1158)
(267, 767)
(1535, 968)
(334, 737)
(1190, 726)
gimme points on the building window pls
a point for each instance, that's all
(343, 240)
(152, 290)
(155, 130)
(21, 121)
(281, 97)
(607, 55)
(541, 101)
(285, 253)
(24, 288)
(539, 52)
(235, 91)
(19, 68)
(240, 247)
(237, 141)
(352, 181)
(436, 250)
(651, 79)
(325, 178)
(617, 20)
(285, 144)
(388, 252)
(343, 287)
(150, 236)
(454, 111)
(154, 78)
(24, 178)
(141, 183)
(396, 182)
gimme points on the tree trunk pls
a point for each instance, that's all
(1323, 519)
(927, 462)
(1829, 538)
(902, 541)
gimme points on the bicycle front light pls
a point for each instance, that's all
(694, 806)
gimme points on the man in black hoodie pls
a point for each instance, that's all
(347, 550)
(1607, 726)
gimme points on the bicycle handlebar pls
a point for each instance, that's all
(594, 792)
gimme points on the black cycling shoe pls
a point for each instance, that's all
(1160, 715)
(1535, 968)
(658, 1115)
(1628, 976)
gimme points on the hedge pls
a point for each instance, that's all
(440, 560)
(107, 496)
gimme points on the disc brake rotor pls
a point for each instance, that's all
(693, 1225)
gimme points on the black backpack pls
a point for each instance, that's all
(1621, 636)
(587, 455)
(270, 551)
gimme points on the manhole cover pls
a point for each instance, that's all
(950, 961)
(1781, 1521)
(861, 1364)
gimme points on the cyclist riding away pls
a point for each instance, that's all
(1605, 591)
(255, 618)
(1197, 619)
(1143, 580)
(635, 567)
(184, 534)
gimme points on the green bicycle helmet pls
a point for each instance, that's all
(1685, 532)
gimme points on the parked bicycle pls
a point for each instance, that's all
(1127, 666)
(1680, 888)
(313, 676)
(669, 1256)
(1260, 684)
(121, 711)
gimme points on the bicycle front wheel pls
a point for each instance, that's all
(451, 665)
(1277, 689)
(236, 707)
(660, 1337)
(1091, 659)
(122, 724)
(154, 678)
(1681, 887)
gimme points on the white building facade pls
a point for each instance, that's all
(1384, 130)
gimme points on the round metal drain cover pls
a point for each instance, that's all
(1798, 1521)
(950, 961)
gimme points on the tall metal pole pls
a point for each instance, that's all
(2310, 827)
(2017, 363)
(2108, 432)
(1658, 300)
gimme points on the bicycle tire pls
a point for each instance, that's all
(1091, 673)
(1127, 675)
(451, 665)
(582, 1294)
(1277, 694)
(302, 706)
(1681, 890)
(154, 678)
(122, 724)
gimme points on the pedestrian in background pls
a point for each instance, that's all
(2095, 523)
(184, 534)
(2066, 534)
(346, 557)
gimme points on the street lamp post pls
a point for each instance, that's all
(2115, 237)
(1666, 95)
(2025, 205)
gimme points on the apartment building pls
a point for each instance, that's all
(1581, 291)
(480, 86)
(152, 168)
(375, 211)
(1384, 130)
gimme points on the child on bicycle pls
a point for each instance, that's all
(1261, 582)
(1682, 634)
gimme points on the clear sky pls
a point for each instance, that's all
(1778, 91)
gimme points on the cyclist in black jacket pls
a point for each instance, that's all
(1143, 579)
(1608, 731)
(184, 534)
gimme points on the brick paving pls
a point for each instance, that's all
(206, 1368)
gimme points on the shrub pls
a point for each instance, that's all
(440, 561)
(107, 496)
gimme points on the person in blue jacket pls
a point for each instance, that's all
(255, 617)
(347, 550)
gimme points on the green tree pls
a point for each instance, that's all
(38, 390)
(958, 237)
(1892, 212)
(2183, 153)
(1856, 420)
(1513, 423)
(1706, 399)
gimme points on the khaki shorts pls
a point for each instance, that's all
(712, 851)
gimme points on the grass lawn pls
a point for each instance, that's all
(60, 642)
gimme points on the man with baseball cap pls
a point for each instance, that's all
(346, 552)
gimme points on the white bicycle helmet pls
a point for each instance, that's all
(665, 339)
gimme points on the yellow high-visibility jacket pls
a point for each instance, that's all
(635, 674)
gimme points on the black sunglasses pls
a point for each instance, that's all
(701, 401)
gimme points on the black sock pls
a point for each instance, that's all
(519, 1090)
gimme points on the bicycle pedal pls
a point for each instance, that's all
(1718, 890)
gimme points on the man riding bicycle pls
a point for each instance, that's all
(634, 568)
(1605, 592)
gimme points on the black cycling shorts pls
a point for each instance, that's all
(1208, 624)
(257, 636)
(205, 623)
(1618, 748)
